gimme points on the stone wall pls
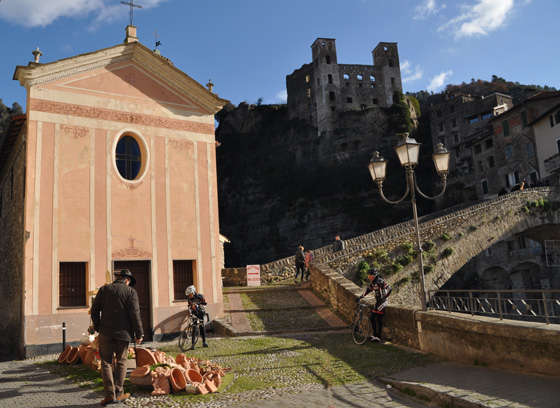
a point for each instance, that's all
(11, 249)
(511, 345)
(234, 277)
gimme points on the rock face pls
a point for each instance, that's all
(276, 193)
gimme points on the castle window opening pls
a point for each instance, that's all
(439, 113)
(484, 186)
(307, 78)
(357, 144)
(491, 161)
(346, 77)
(478, 148)
(441, 128)
(359, 77)
(328, 59)
(348, 100)
(363, 106)
(309, 92)
(385, 49)
(360, 85)
(372, 78)
(442, 140)
(318, 81)
(509, 151)
(390, 63)
(374, 101)
(452, 108)
(347, 84)
(455, 138)
(330, 79)
(343, 147)
(557, 117)
(333, 108)
(489, 143)
(392, 82)
(530, 152)
(524, 120)
(480, 166)
(533, 176)
(473, 120)
(454, 123)
(487, 115)
(505, 126)
(331, 96)
(372, 86)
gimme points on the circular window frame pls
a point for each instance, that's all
(144, 155)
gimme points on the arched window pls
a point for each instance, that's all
(346, 76)
(360, 78)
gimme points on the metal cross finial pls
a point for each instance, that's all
(132, 5)
(156, 35)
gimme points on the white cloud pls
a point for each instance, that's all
(438, 82)
(410, 74)
(426, 8)
(480, 19)
(34, 13)
(281, 97)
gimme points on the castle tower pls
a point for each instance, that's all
(386, 62)
(327, 83)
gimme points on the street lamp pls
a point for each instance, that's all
(408, 151)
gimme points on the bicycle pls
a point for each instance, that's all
(193, 324)
(361, 325)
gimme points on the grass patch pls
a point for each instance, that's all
(262, 363)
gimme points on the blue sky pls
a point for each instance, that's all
(247, 47)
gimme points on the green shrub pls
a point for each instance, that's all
(447, 252)
(396, 267)
(428, 246)
(446, 236)
(405, 260)
(407, 246)
(362, 272)
(461, 234)
(428, 268)
(473, 228)
(525, 209)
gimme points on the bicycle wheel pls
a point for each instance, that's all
(196, 329)
(183, 338)
(361, 328)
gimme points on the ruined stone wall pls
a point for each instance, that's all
(11, 248)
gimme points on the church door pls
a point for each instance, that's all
(141, 271)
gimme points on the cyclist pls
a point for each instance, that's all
(197, 305)
(382, 291)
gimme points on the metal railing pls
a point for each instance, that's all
(531, 305)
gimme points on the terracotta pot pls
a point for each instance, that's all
(89, 357)
(73, 356)
(141, 371)
(193, 376)
(64, 354)
(177, 379)
(83, 351)
(144, 357)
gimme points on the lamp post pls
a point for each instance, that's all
(408, 151)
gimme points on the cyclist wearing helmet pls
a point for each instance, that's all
(197, 305)
(382, 291)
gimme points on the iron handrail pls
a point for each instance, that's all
(545, 305)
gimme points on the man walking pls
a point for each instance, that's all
(300, 263)
(116, 316)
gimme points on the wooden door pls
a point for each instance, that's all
(141, 271)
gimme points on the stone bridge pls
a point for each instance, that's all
(450, 238)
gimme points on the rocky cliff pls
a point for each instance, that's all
(274, 194)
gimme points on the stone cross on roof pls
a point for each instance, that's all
(132, 5)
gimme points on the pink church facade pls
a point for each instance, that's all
(120, 172)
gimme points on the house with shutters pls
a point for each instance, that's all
(113, 166)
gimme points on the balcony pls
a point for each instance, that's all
(552, 164)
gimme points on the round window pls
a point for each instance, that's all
(128, 157)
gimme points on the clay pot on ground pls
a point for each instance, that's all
(141, 376)
(64, 354)
(89, 357)
(83, 351)
(193, 376)
(160, 383)
(144, 357)
(73, 356)
(177, 379)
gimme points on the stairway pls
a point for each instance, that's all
(280, 308)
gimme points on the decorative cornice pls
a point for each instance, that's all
(118, 116)
(37, 74)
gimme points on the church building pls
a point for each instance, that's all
(113, 166)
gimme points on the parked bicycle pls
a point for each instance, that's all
(361, 325)
(194, 324)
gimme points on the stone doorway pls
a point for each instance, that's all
(141, 271)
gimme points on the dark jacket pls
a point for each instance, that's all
(300, 257)
(116, 313)
(382, 291)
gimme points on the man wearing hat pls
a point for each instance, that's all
(116, 316)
